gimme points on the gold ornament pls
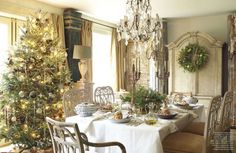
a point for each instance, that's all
(21, 94)
(13, 119)
(39, 111)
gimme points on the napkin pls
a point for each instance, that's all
(192, 112)
(87, 121)
(169, 124)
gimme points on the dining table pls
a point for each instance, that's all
(135, 134)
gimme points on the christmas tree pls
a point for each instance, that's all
(32, 88)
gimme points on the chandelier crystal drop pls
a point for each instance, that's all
(138, 25)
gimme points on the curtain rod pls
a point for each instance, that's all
(88, 18)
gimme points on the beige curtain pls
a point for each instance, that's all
(118, 61)
(86, 37)
(58, 23)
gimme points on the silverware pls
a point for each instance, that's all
(134, 122)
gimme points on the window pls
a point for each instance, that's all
(152, 75)
(101, 57)
(9, 30)
(5, 39)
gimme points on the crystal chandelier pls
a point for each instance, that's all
(138, 25)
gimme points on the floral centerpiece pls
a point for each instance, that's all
(144, 96)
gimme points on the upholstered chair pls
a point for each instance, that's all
(184, 142)
(67, 138)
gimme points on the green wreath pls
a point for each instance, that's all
(193, 57)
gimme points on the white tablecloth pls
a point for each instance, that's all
(136, 139)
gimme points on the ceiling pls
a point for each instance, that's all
(113, 10)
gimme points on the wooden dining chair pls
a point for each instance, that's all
(224, 117)
(184, 142)
(103, 95)
(67, 138)
(224, 120)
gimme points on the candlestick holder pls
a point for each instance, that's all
(136, 74)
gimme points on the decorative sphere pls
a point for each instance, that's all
(21, 78)
(33, 94)
(10, 75)
(39, 111)
(13, 119)
(51, 95)
(38, 77)
(21, 94)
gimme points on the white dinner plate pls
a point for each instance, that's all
(124, 120)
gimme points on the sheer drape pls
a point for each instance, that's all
(86, 37)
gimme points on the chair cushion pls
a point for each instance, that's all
(195, 128)
(181, 142)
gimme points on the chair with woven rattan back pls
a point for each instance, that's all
(224, 117)
(183, 142)
(226, 110)
(103, 95)
(67, 138)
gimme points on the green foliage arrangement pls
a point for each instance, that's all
(193, 57)
(144, 96)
